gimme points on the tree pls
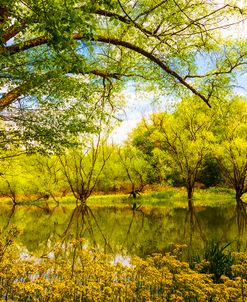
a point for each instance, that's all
(186, 136)
(210, 174)
(46, 43)
(83, 166)
(135, 168)
(52, 123)
(113, 177)
(12, 183)
(231, 146)
(43, 177)
(157, 159)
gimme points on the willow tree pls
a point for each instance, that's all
(135, 168)
(43, 44)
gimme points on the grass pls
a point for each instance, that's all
(168, 197)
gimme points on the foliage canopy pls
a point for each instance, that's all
(45, 43)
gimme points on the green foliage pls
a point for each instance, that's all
(174, 178)
(210, 174)
(230, 148)
(113, 177)
(217, 261)
(184, 137)
(43, 177)
(82, 167)
(135, 167)
(12, 182)
(61, 59)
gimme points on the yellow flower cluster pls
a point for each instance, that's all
(78, 274)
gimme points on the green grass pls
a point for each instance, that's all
(169, 197)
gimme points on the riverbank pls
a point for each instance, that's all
(169, 197)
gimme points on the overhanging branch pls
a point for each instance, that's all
(43, 40)
(154, 59)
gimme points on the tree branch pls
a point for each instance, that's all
(154, 59)
(43, 40)
(11, 96)
(12, 31)
(15, 93)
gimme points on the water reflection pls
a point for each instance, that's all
(83, 223)
(241, 215)
(125, 231)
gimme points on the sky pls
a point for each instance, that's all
(138, 105)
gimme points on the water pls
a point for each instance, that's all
(122, 231)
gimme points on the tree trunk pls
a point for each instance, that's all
(239, 194)
(189, 192)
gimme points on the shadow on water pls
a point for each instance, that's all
(193, 224)
(12, 212)
(194, 232)
(241, 215)
(127, 241)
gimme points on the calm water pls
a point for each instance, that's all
(122, 230)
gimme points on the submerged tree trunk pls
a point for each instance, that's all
(241, 204)
(190, 193)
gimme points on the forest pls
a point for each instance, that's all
(160, 216)
(193, 146)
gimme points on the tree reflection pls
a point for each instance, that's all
(194, 222)
(80, 223)
(241, 217)
(193, 226)
(123, 230)
(11, 214)
(136, 210)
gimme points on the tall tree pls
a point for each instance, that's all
(135, 168)
(157, 158)
(83, 166)
(52, 122)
